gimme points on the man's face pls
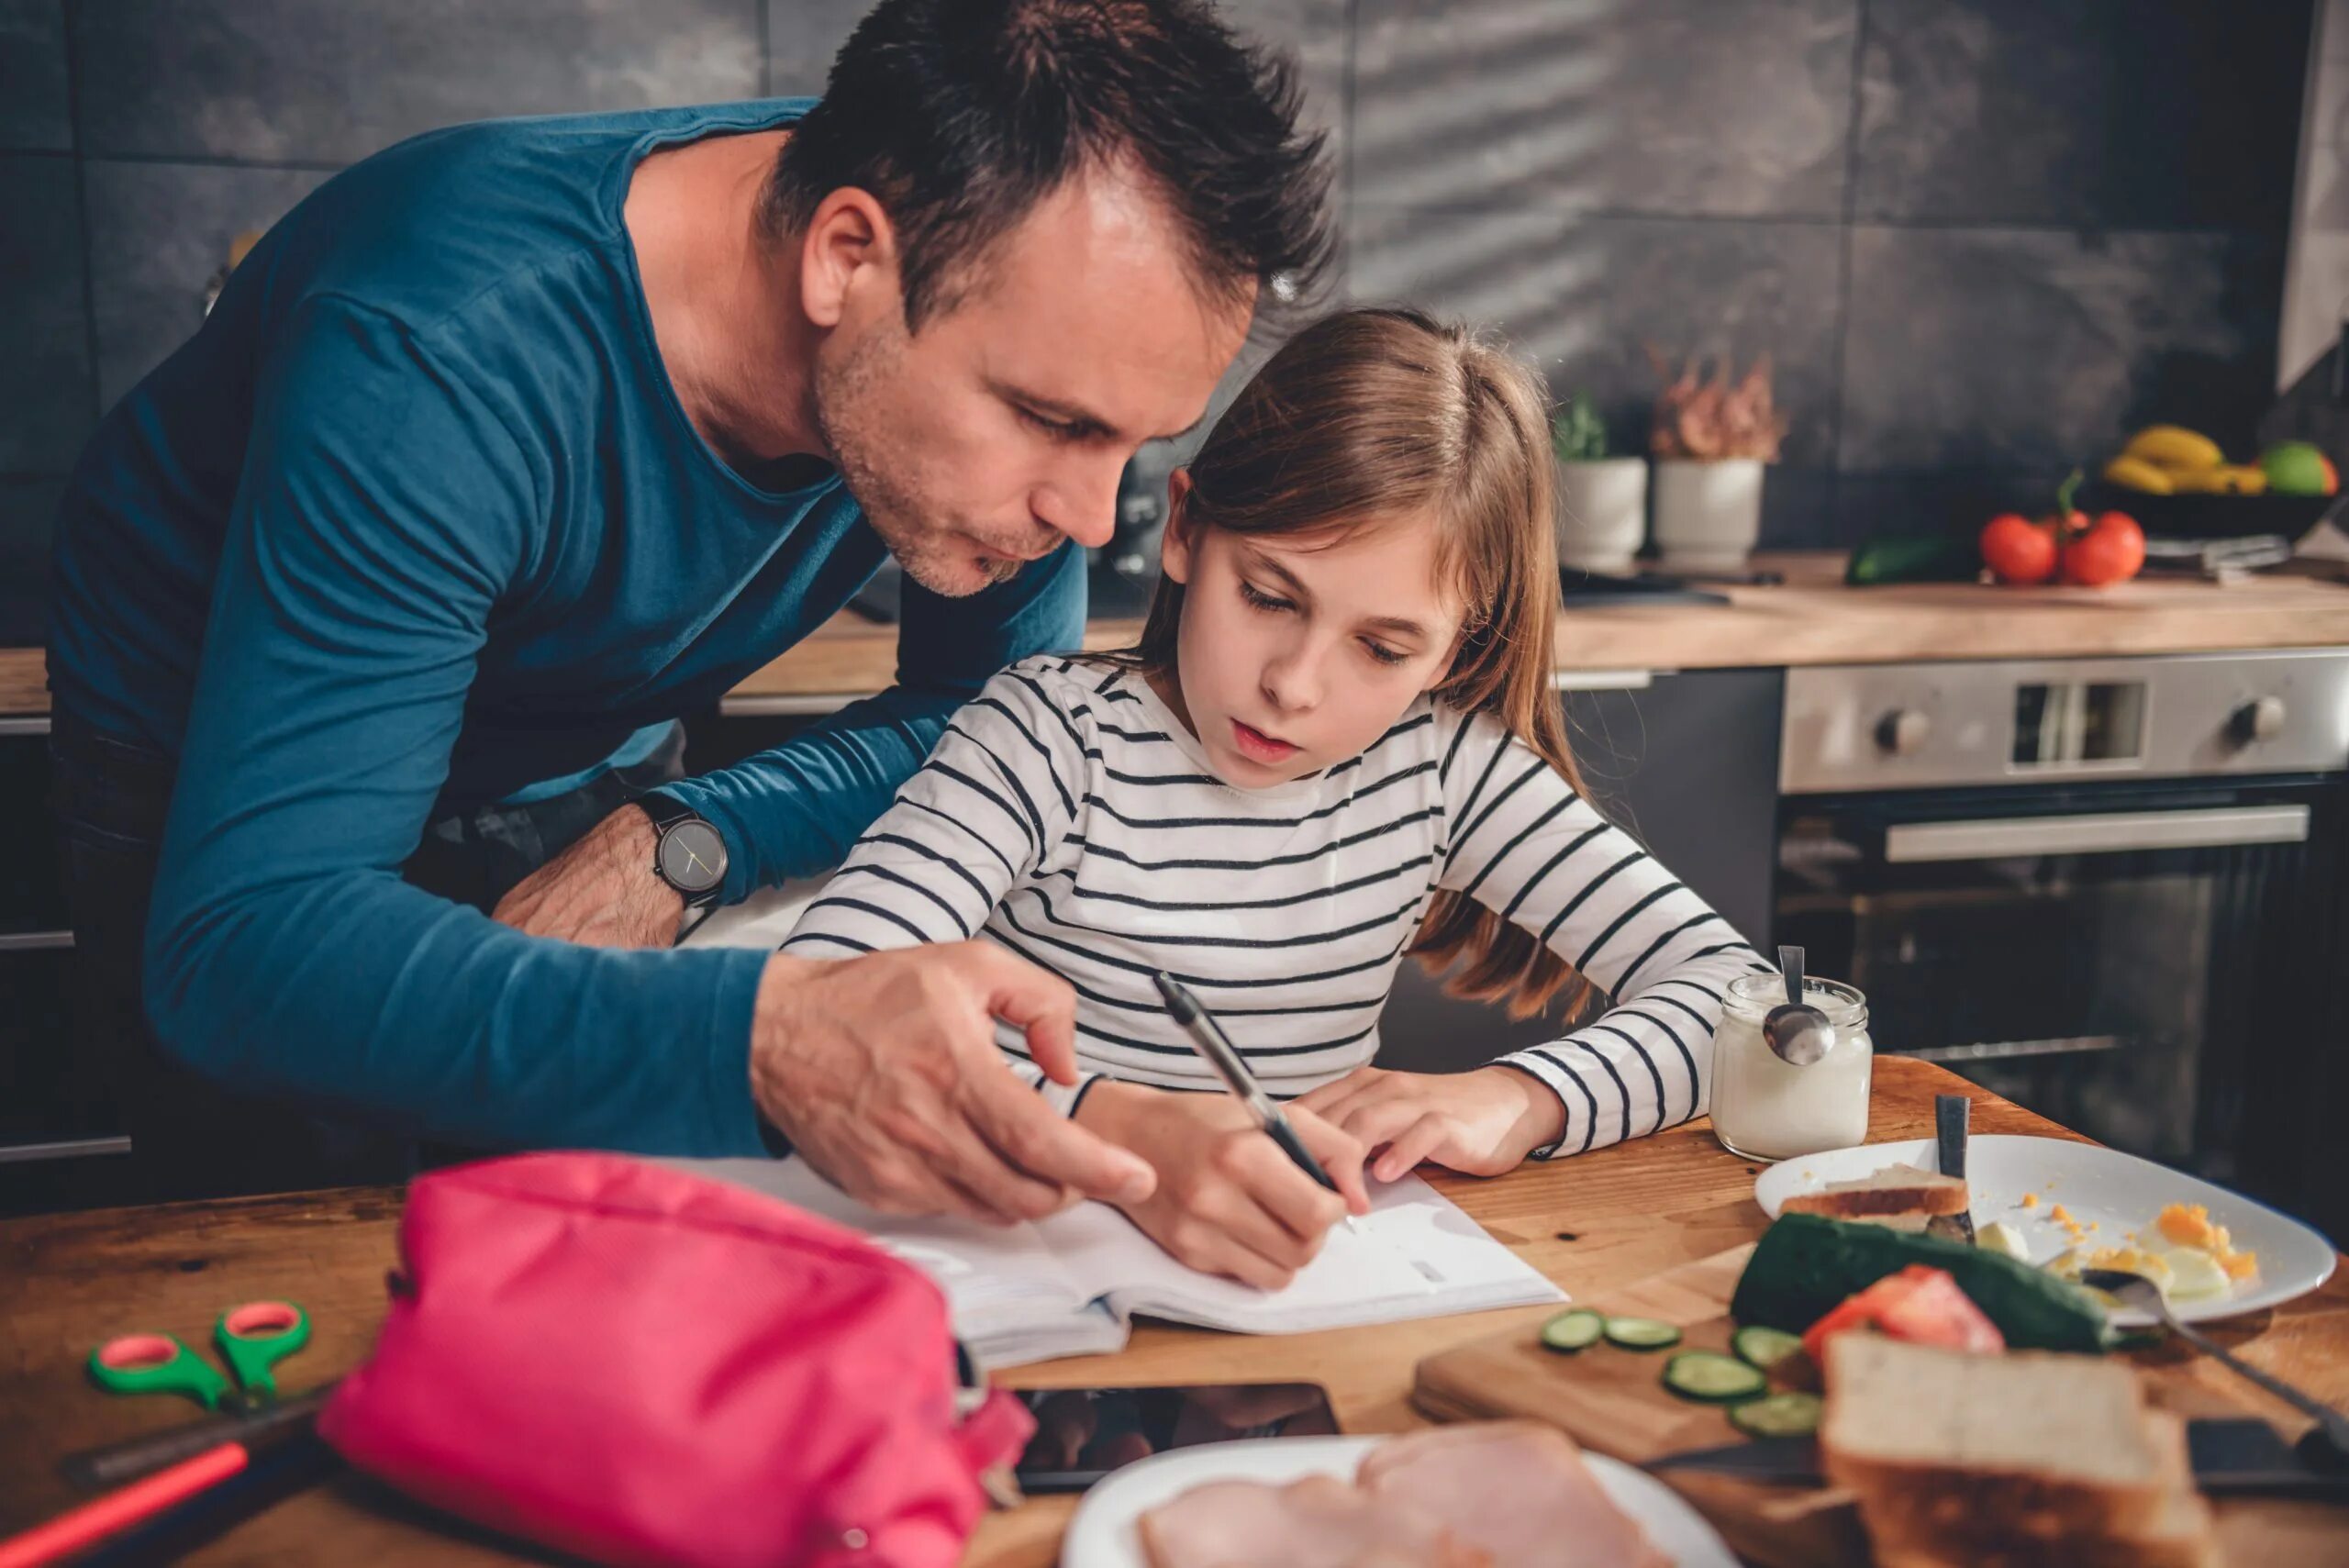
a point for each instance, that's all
(982, 442)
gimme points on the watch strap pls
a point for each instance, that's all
(665, 809)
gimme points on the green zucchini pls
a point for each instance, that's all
(1806, 1264)
(1764, 1348)
(1711, 1378)
(1778, 1415)
(1575, 1330)
(1914, 558)
(1640, 1333)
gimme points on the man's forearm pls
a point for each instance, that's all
(796, 809)
(371, 998)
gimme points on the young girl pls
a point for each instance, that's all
(1335, 744)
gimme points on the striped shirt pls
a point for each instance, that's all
(1070, 815)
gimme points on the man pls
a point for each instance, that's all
(514, 442)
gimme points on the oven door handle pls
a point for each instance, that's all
(2102, 833)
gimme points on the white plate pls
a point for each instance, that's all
(2117, 1193)
(1106, 1532)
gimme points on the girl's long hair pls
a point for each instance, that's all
(1372, 414)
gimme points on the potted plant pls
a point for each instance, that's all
(1712, 437)
(1602, 500)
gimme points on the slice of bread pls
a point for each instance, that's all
(1903, 1196)
(2025, 1460)
(2181, 1533)
(1937, 1437)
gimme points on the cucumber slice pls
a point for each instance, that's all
(1764, 1348)
(1713, 1378)
(1575, 1330)
(1640, 1333)
(1777, 1416)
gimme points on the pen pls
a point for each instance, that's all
(1208, 1039)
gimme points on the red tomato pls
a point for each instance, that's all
(2018, 549)
(1936, 1312)
(1921, 1305)
(2113, 550)
(1855, 1313)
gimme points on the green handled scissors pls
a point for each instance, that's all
(253, 1338)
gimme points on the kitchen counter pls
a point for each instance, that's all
(1811, 618)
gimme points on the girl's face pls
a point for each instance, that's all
(1294, 652)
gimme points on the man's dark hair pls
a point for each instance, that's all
(959, 116)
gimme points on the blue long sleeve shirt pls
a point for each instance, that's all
(414, 523)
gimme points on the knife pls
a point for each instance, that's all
(1950, 1113)
(2231, 1455)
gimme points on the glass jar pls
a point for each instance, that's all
(1767, 1109)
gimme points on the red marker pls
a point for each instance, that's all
(84, 1527)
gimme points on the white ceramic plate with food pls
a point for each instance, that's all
(2109, 1195)
(1106, 1530)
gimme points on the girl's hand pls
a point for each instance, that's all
(1481, 1123)
(1227, 1201)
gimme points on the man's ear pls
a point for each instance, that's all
(849, 247)
(1175, 541)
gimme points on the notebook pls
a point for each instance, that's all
(1071, 1284)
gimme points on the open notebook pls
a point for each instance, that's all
(1070, 1285)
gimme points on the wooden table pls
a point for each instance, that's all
(1592, 1223)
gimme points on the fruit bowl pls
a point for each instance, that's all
(2206, 516)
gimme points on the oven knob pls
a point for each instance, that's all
(1903, 732)
(2262, 718)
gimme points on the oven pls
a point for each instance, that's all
(2109, 889)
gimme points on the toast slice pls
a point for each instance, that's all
(2181, 1533)
(1934, 1438)
(1903, 1196)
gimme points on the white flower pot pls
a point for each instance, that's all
(1602, 513)
(1707, 515)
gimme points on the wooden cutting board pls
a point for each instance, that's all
(1613, 1402)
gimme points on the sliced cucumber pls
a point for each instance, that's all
(1777, 1416)
(1575, 1330)
(1764, 1348)
(1640, 1333)
(1713, 1378)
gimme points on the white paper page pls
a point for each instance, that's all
(1416, 1254)
(994, 1279)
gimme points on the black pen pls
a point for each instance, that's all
(1208, 1039)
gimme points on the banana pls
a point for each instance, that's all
(2174, 447)
(2228, 479)
(2136, 474)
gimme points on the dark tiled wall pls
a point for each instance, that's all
(1979, 238)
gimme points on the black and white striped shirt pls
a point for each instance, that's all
(1068, 815)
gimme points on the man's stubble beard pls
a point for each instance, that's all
(922, 541)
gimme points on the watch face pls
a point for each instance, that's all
(693, 857)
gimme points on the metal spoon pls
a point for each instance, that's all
(2137, 1292)
(1797, 1031)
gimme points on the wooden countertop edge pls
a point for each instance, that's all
(1811, 619)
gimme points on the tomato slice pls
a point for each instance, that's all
(1920, 1303)
(1937, 1312)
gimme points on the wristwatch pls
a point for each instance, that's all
(691, 855)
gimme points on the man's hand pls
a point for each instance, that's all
(884, 1072)
(1481, 1123)
(602, 890)
(1228, 1201)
